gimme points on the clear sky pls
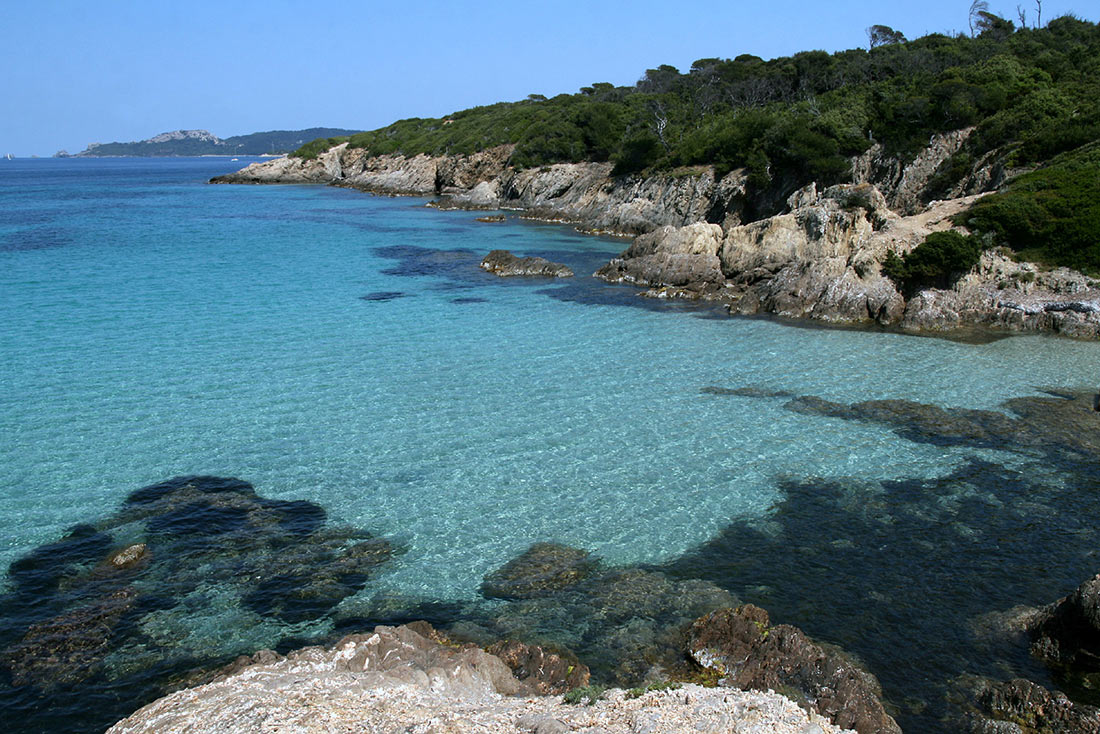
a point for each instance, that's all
(76, 72)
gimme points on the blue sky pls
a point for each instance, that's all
(118, 70)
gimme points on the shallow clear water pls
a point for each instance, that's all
(331, 346)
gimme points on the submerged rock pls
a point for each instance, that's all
(185, 575)
(44, 568)
(626, 624)
(129, 557)
(1062, 425)
(541, 569)
(67, 648)
(505, 264)
(1022, 707)
(742, 646)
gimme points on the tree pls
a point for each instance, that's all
(977, 7)
(884, 35)
(994, 26)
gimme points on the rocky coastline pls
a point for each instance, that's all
(695, 236)
(400, 679)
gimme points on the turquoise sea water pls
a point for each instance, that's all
(341, 348)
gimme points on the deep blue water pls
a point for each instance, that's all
(344, 349)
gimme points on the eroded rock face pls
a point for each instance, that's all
(583, 193)
(750, 653)
(674, 256)
(904, 184)
(395, 679)
(822, 260)
(505, 264)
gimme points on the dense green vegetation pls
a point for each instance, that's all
(935, 263)
(1050, 215)
(1030, 93)
(272, 142)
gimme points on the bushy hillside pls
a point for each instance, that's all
(200, 142)
(1030, 93)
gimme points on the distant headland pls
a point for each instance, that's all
(203, 142)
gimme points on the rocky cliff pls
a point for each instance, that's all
(820, 258)
(581, 193)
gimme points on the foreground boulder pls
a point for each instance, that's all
(505, 264)
(742, 646)
(541, 670)
(396, 679)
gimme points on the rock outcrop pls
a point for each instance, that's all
(822, 260)
(749, 653)
(395, 679)
(1022, 707)
(505, 264)
(581, 193)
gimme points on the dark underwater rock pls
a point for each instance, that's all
(746, 392)
(46, 566)
(318, 580)
(541, 569)
(1062, 426)
(1022, 707)
(65, 649)
(504, 264)
(743, 646)
(383, 296)
(185, 484)
(150, 591)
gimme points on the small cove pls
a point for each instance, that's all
(344, 349)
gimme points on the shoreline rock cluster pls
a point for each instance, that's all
(398, 679)
(819, 258)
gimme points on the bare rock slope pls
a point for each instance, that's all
(822, 260)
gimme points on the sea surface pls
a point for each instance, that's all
(345, 349)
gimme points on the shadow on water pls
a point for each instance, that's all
(901, 572)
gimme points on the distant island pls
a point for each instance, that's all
(203, 142)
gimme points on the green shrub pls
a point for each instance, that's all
(935, 263)
(591, 694)
(1051, 215)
